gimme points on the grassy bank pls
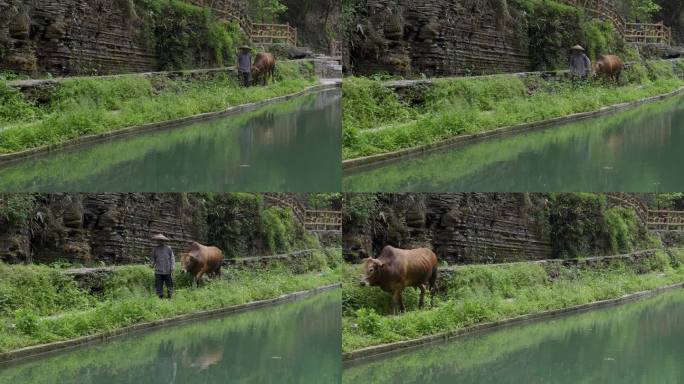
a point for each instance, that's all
(39, 304)
(465, 161)
(83, 106)
(481, 293)
(376, 120)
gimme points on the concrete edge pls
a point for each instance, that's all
(367, 161)
(150, 127)
(44, 349)
(350, 358)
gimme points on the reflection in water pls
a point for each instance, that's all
(634, 151)
(292, 146)
(291, 343)
(639, 342)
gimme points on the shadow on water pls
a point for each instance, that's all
(640, 342)
(292, 146)
(296, 342)
(633, 151)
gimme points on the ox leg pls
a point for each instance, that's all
(421, 302)
(402, 308)
(198, 277)
(396, 297)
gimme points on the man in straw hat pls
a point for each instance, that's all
(163, 263)
(244, 65)
(580, 65)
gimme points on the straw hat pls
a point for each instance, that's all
(247, 47)
(159, 237)
(577, 48)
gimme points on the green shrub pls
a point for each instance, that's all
(26, 321)
(13, 106)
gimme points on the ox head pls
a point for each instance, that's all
(188, 261)
(372, 269)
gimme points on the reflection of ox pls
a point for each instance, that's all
(203, 359)
(202, 260)
(263, 68)
(397, 268)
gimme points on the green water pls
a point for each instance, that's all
(291, 147)
(641, 342)
(291, 343)
(640, 150)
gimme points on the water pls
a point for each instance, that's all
(641, 342)
(291, 343)
(639, 150)
(292, 147)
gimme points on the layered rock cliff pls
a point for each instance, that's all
(114, 228)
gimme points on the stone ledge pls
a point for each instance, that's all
(44, 349)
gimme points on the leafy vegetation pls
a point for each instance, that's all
(266, 11)
(15, 208)
(666, 201)
(639, 10)
(186, 35)
(377, 121)
(478, 293)
(582, 224)
(263, 231)
(39, 304)
(86, 106)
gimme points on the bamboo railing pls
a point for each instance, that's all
(257, 32)
(666, 220)
(274, 33)
(657, 33)
(648, 33)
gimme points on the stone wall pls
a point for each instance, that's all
(475, 228)
(317, 22)
(109, 228)
(459, 227)
(116, 228)
(436, 37)
(74, 36)
(68, 37)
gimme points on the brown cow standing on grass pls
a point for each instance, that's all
(263, 68)
(394, 269)
(202, 260)
(609, 66)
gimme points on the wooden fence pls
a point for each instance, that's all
(257, 32)
(274, 33)
(317, 221)
(648, 33)
(666, 220)
(657, 33)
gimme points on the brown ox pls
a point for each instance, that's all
(263, 68)
(202, 260)
(609, 66)
(396, 269)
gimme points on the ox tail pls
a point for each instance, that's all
(433, 279)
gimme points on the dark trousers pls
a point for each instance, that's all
(246, 78)
(159, 281)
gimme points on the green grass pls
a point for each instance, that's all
(86, 106)
(479, 293)
(377, 121)
(38, 304)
